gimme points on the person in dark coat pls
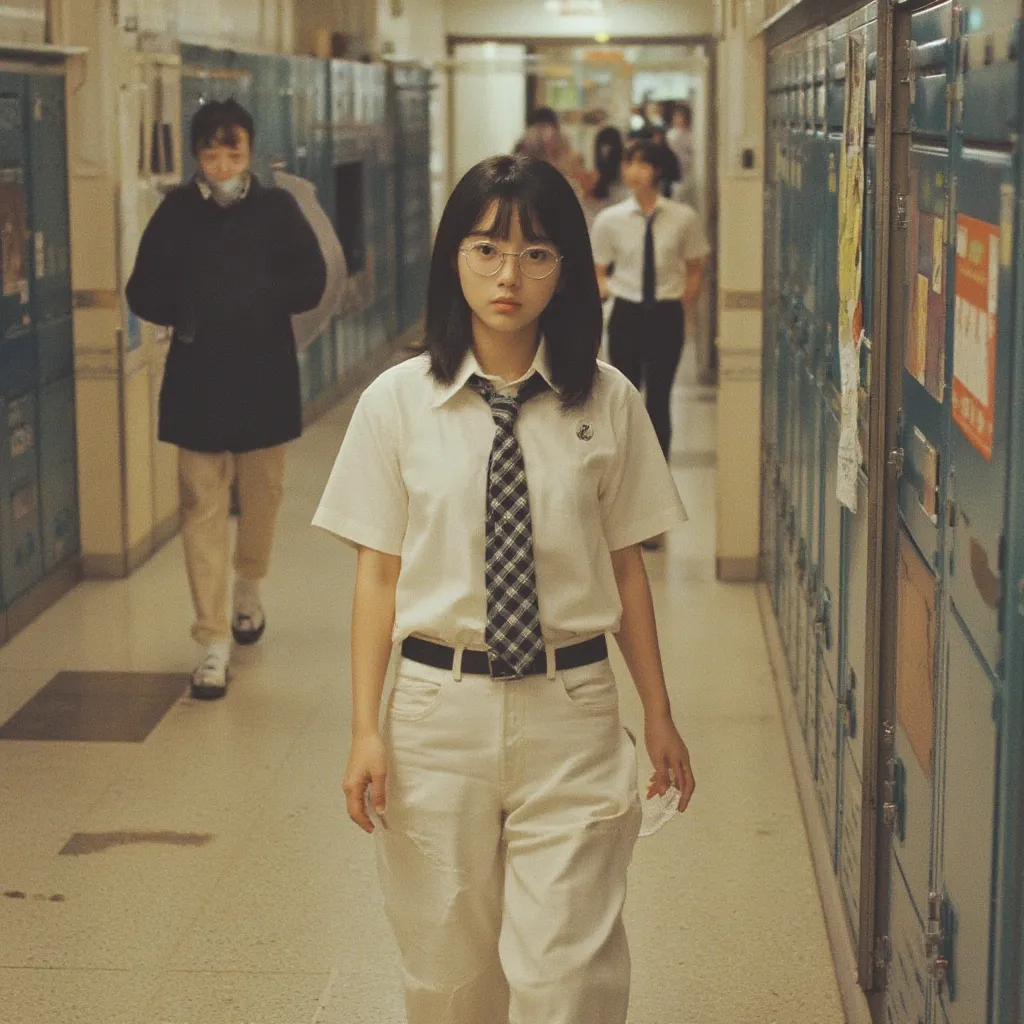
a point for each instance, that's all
(225, 261)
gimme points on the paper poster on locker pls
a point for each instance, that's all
(851, 227)
(13, 234)
(975, 331)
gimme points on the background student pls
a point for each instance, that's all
(225, 261)
(656, 249)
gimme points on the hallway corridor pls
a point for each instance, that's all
(200, 869)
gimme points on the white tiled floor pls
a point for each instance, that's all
(267, 912)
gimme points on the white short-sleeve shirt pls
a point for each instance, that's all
(618, 237)
(411, 478)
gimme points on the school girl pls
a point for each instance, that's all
(497, 488)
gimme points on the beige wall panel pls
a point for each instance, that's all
(139, 457)
(165, 456)
(94, 234)
(739, 435)
(740, 229)
(99, 465)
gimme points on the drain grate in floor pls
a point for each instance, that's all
(97, 707)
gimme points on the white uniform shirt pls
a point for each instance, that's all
(411, 480)
(618, 237)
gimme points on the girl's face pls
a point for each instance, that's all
(222, 161)
(638, 175)
(499, 293)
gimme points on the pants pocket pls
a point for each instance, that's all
(590, 688)
(417, 692)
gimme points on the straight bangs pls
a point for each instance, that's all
(548, 211)
(511, 208)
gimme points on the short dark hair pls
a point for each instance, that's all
(548, 210)
(543, 115)
(219, 121)
(647, 151)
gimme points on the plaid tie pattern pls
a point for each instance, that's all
(513, 633)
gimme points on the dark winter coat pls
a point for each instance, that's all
(227, 279)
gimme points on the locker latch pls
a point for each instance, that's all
(849, 705)
(893, 807)
(823, 623)
(901, 211)
(937, 943)
(895, 460)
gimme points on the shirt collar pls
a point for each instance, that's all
(634, 206)
(470, 366)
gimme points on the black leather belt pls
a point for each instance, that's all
(480, 663)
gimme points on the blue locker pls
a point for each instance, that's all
(48, 208)
(979, 457)
(924, 377)
(931, 58)
(969, 820)
(852, 679)
(15, 267)
(917, 673)
(21, 560)
(58, 472)
(906, 993)
(988, 57)
(836, 34)
(826, 773)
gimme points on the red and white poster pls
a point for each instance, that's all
(975, 330)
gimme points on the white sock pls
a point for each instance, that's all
(220, 649)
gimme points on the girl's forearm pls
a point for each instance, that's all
(638, 634)
(373, 620)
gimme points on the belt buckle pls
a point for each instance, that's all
(491, 659)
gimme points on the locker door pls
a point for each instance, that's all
(963, 912)
(982, 341)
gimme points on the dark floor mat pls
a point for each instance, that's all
(97, 707)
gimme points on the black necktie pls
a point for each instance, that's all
(649, 284)
(513, 633)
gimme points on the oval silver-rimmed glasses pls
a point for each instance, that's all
(535, 261)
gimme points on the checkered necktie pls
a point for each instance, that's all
(513, 632)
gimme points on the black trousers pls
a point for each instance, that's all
(646, 345)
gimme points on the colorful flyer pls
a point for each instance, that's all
(975, 331)
(851, 228)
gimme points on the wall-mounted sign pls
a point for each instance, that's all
(975, 330)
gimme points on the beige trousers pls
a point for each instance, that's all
(205, 482)
(512, 810)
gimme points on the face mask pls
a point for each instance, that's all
(229, 191)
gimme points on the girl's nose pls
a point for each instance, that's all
(510, 270)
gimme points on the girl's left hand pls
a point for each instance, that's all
(670, 758)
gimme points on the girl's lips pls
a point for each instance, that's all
(505, 304)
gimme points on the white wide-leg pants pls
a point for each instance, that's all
(512, 810)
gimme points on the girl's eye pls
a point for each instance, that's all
(485, 249)
(539, 256)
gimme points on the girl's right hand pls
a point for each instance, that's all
(367, 766)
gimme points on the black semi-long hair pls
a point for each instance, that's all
(548, 210)
(608, 147)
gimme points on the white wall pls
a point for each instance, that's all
(489, 83)
(528, 18)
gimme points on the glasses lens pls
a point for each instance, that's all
(538, 262)
(484, 258)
